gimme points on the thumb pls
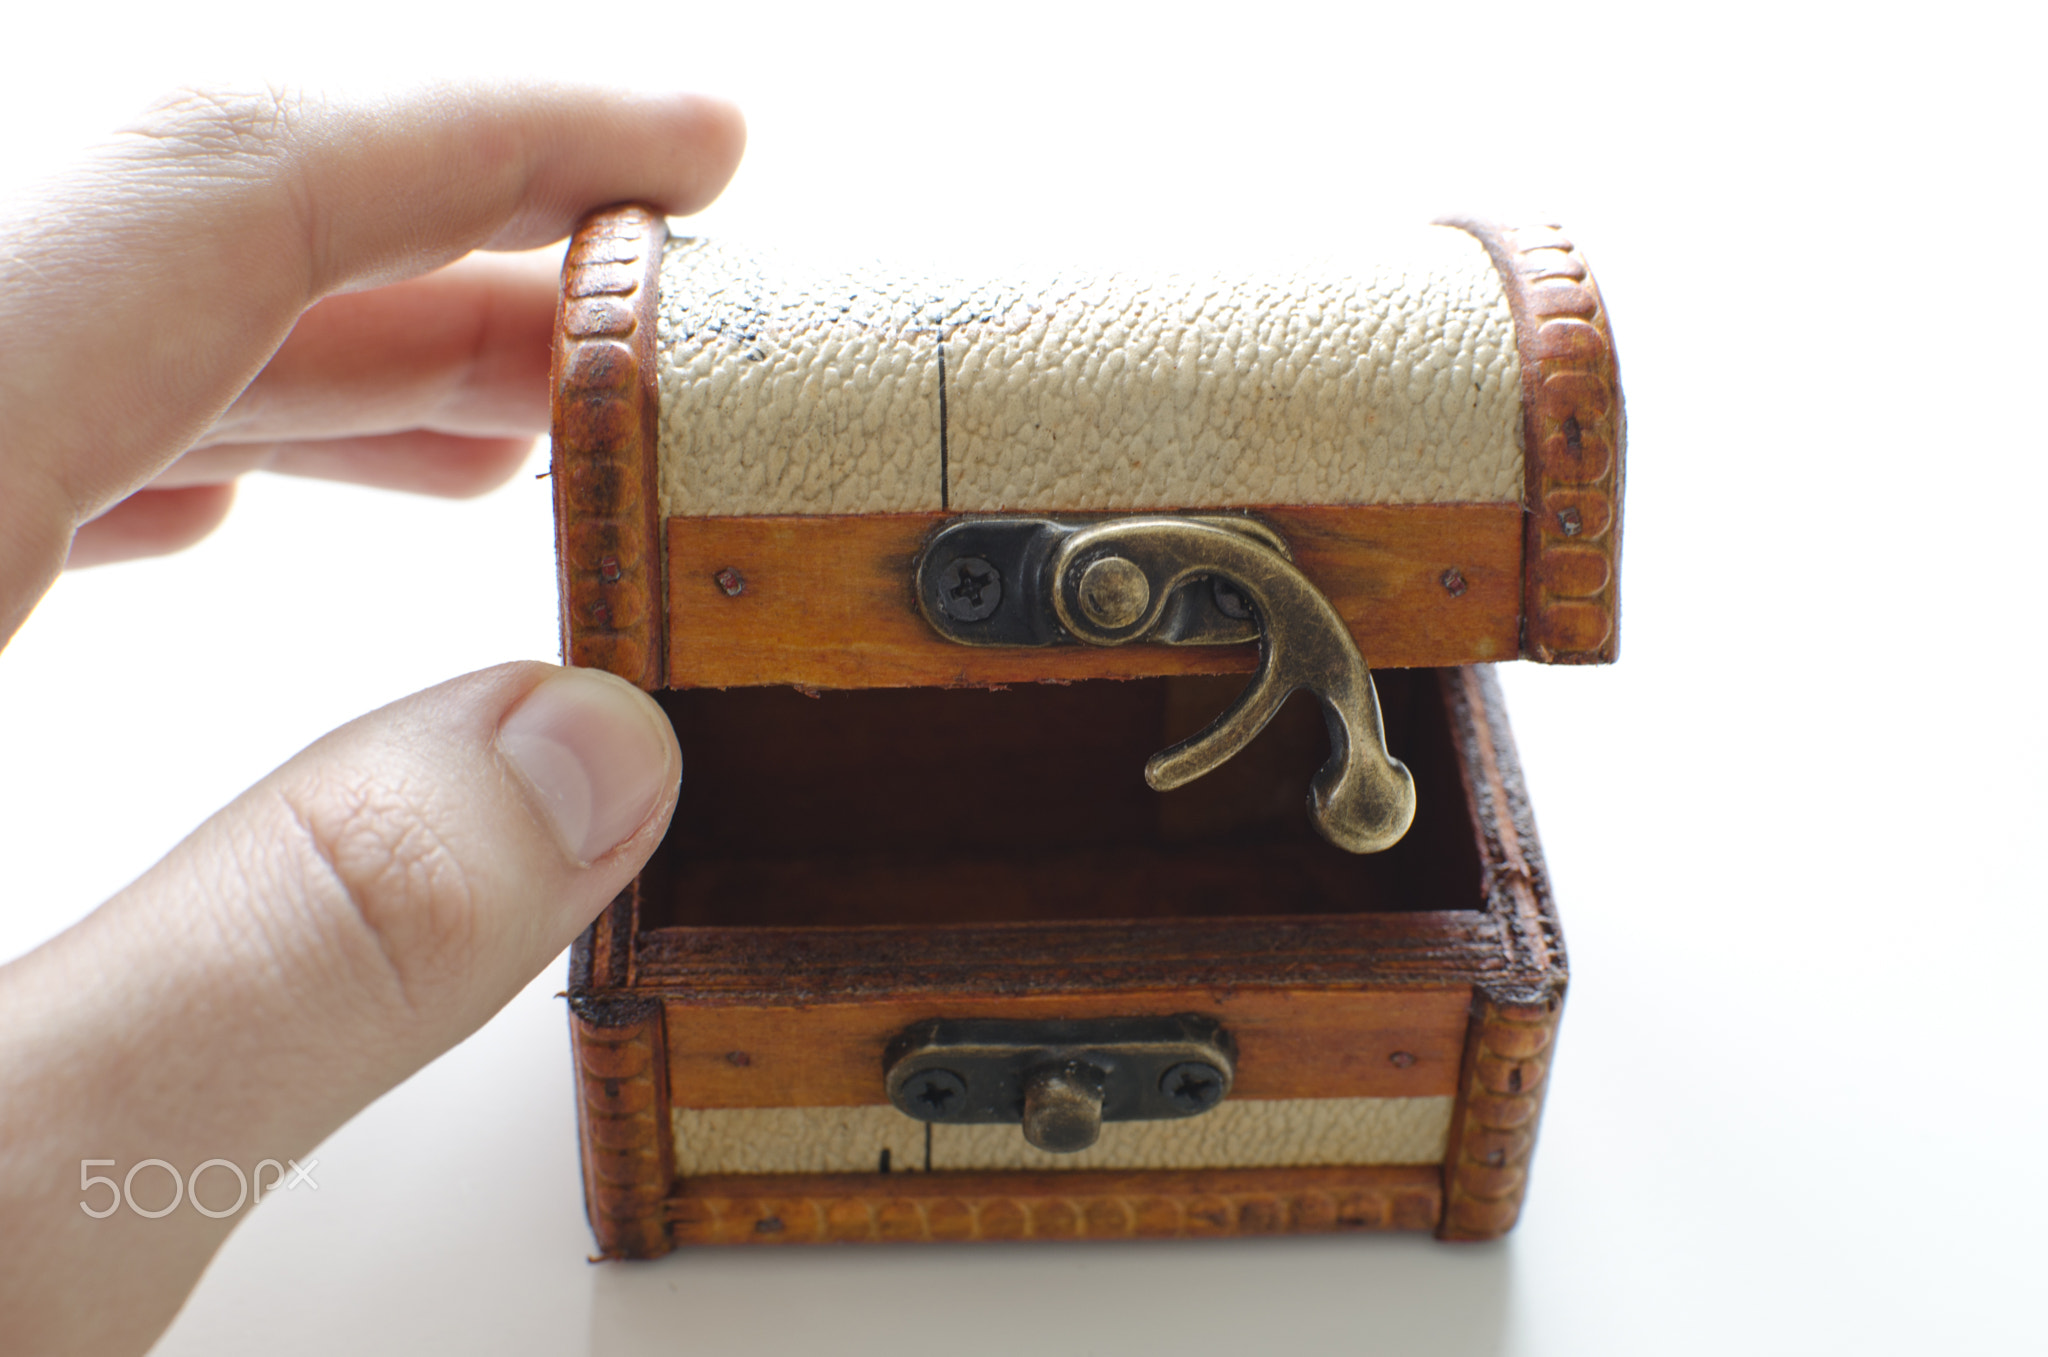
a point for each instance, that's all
(354, 914)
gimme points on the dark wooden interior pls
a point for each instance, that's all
(976, 806)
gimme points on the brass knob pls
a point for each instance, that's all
(1113, 592)
(1063, 1107)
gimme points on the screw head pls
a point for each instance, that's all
(1230, 600)
(1192, 1086)
(969, 589)
(933, 1095)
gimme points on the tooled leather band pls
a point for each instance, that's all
(964, 1207)
(1493, 1136)
(606, 411)
(622, 1103)
(1573, 445)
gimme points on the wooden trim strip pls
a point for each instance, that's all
(1514, 1017)
(1112, 957)
(1516, 882)
(606, 410)
(1574, 437)
(602, 955)
(1493, 1129)
(1318, 1043)
(826, 602)
(865, 1208)
(623, 1121)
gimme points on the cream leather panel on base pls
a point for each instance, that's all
(787, 391)
(1280, 1133)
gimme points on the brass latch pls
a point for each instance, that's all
(1059, 1080)
(1182, 580)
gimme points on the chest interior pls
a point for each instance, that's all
(1027, 804)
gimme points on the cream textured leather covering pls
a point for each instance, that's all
(787, 390)
(1280, 1133)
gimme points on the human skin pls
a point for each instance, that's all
(276, 279)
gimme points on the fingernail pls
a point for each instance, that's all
(598, 753)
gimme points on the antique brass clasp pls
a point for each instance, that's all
(1183, 580)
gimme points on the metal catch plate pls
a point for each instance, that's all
(1059, 1080)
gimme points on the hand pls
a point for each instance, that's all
(240, 282)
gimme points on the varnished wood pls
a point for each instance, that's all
(1574, 441)
(622, 1122)
(603, 957)
(1513, 877)
(909, 1207)
(1405, 1043)
(826, 602)
(1514, 1015)
(1108, 958)
(605, 416)
(1493, 1127)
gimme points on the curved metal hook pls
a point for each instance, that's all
(1110, 585)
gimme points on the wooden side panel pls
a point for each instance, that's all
(826, 602)
(817, 1209)
(1574, 437)
(606, 409)
(623, 1126)
(1403, 1043)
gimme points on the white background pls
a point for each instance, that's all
(1798, 1104)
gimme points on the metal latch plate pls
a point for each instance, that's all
(1059, 1079)
(985, 582)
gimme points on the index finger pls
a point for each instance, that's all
(137, 301)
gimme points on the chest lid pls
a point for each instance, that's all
(753, 459)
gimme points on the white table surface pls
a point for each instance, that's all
(1795, 833)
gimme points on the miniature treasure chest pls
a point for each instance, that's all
(1009, 896)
